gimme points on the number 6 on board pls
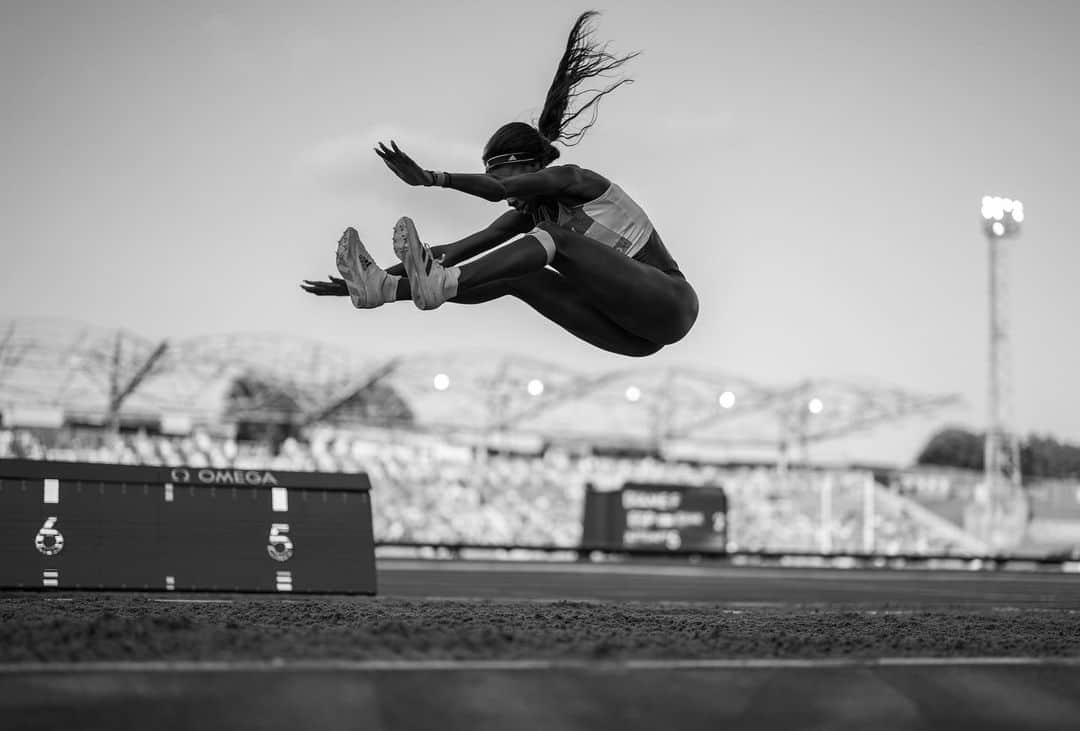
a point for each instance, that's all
(49, 540)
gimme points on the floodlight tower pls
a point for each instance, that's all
(1001, 220)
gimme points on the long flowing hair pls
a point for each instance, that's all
(583, 59)
(566, 101)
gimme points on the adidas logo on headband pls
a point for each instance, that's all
(507, 159)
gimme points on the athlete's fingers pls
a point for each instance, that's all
(317, 286)
(322, 291)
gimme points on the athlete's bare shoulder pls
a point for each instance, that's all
(587, 184)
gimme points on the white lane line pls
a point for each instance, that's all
(278, 665)
(719, 605)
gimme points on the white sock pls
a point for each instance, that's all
(451, 281)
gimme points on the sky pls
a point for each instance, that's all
(816, 169)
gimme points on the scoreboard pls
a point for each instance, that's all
(656, 517)
(92, 526)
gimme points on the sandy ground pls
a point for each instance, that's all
(37, 627)
(815, 641)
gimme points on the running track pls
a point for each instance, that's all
(880, 694)
(685, 582)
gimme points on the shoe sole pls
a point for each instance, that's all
(411, 252)
(349, 247)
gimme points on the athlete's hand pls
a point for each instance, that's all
(336, 287)
(403, 165)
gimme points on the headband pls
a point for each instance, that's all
(507, 159)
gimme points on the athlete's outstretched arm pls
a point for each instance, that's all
(551, 182)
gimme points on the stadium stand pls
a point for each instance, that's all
(429, 490)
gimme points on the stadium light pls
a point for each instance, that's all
(815, 406)
(633, 393)
(1002, 216)
(1001, 457)
(535, 387)
(726, 400)
(441, 382)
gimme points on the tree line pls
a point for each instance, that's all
(1040, 456)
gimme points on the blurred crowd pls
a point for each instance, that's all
(431, 491)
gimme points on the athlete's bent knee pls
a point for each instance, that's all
(552, 229)
(546, 240)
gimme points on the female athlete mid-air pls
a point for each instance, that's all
(588, 257)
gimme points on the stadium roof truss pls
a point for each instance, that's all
(83, 369)
(100, 372)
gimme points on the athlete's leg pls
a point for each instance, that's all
(562, 302)
(642, 299)
(366, 275)
(475, 296)
(559, 301)
(515, 259)
(640, 286)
